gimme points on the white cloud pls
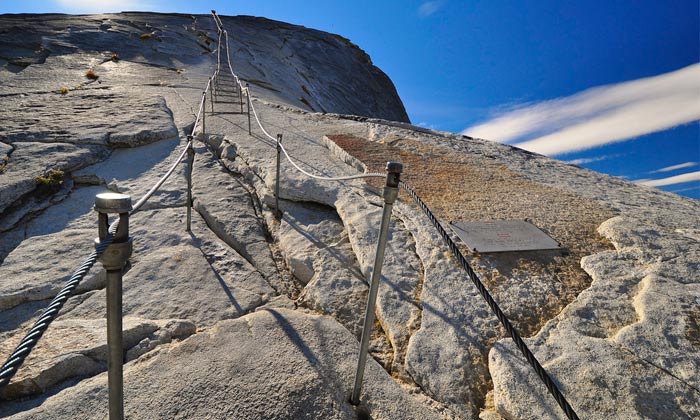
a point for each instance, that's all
(584, 161)
(102, 6)
(675, 167)
(600, 115)
(697, 187)
(429, 7)
(672, 180)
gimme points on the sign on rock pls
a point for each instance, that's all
(503, 236)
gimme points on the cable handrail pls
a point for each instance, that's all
(483, 291)
(31, 339)
(502, 318)
(268, 135)
(22, 351)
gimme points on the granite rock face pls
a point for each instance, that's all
(248, 315)
(318, 253)
(638, 319)
(78, 347)
(274, 364)
(316, 71)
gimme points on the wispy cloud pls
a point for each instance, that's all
(600, 115)
(429, 7)
(672, 180)
(676, 167)
(697, 187)
(102, 6)
(584, 161)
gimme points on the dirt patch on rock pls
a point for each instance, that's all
(532, 287)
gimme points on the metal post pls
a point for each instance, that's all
(247, 96)
(190, 167)
(113, 259)
(278, 212)
(204, 113)
(240, 96)
(391, 191)
(211, 95)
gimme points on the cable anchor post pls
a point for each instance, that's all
(278, 212)
(391, 191)
(114, 258)
(190, 168)
(247, 96)
(204, 114)
(240, 94)
(211, 92)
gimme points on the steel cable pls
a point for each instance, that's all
(162, 180)
(24, 348)
(22, 351)
(483, 291)
(268, 135)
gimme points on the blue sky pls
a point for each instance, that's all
(613, 86)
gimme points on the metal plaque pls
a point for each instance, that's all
(503, 236)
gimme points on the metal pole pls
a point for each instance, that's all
(213, 85)
(216, 83)
(391, 191)
(240, 95)
(278, 212)
(211, 95)
(113, 259)
(247, 96)
(190, 167)
(204, 113)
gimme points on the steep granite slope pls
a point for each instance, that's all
(248, 316)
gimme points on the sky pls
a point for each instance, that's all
(613, 86)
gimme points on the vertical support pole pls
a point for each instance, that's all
(240, 96)
(391, 191)
(211, 94)
(247, 96)
(113, 259)
(190, 167)
(278, 212)
(204, 113)
(115, 361)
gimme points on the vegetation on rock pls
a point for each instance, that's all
(52, 181)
